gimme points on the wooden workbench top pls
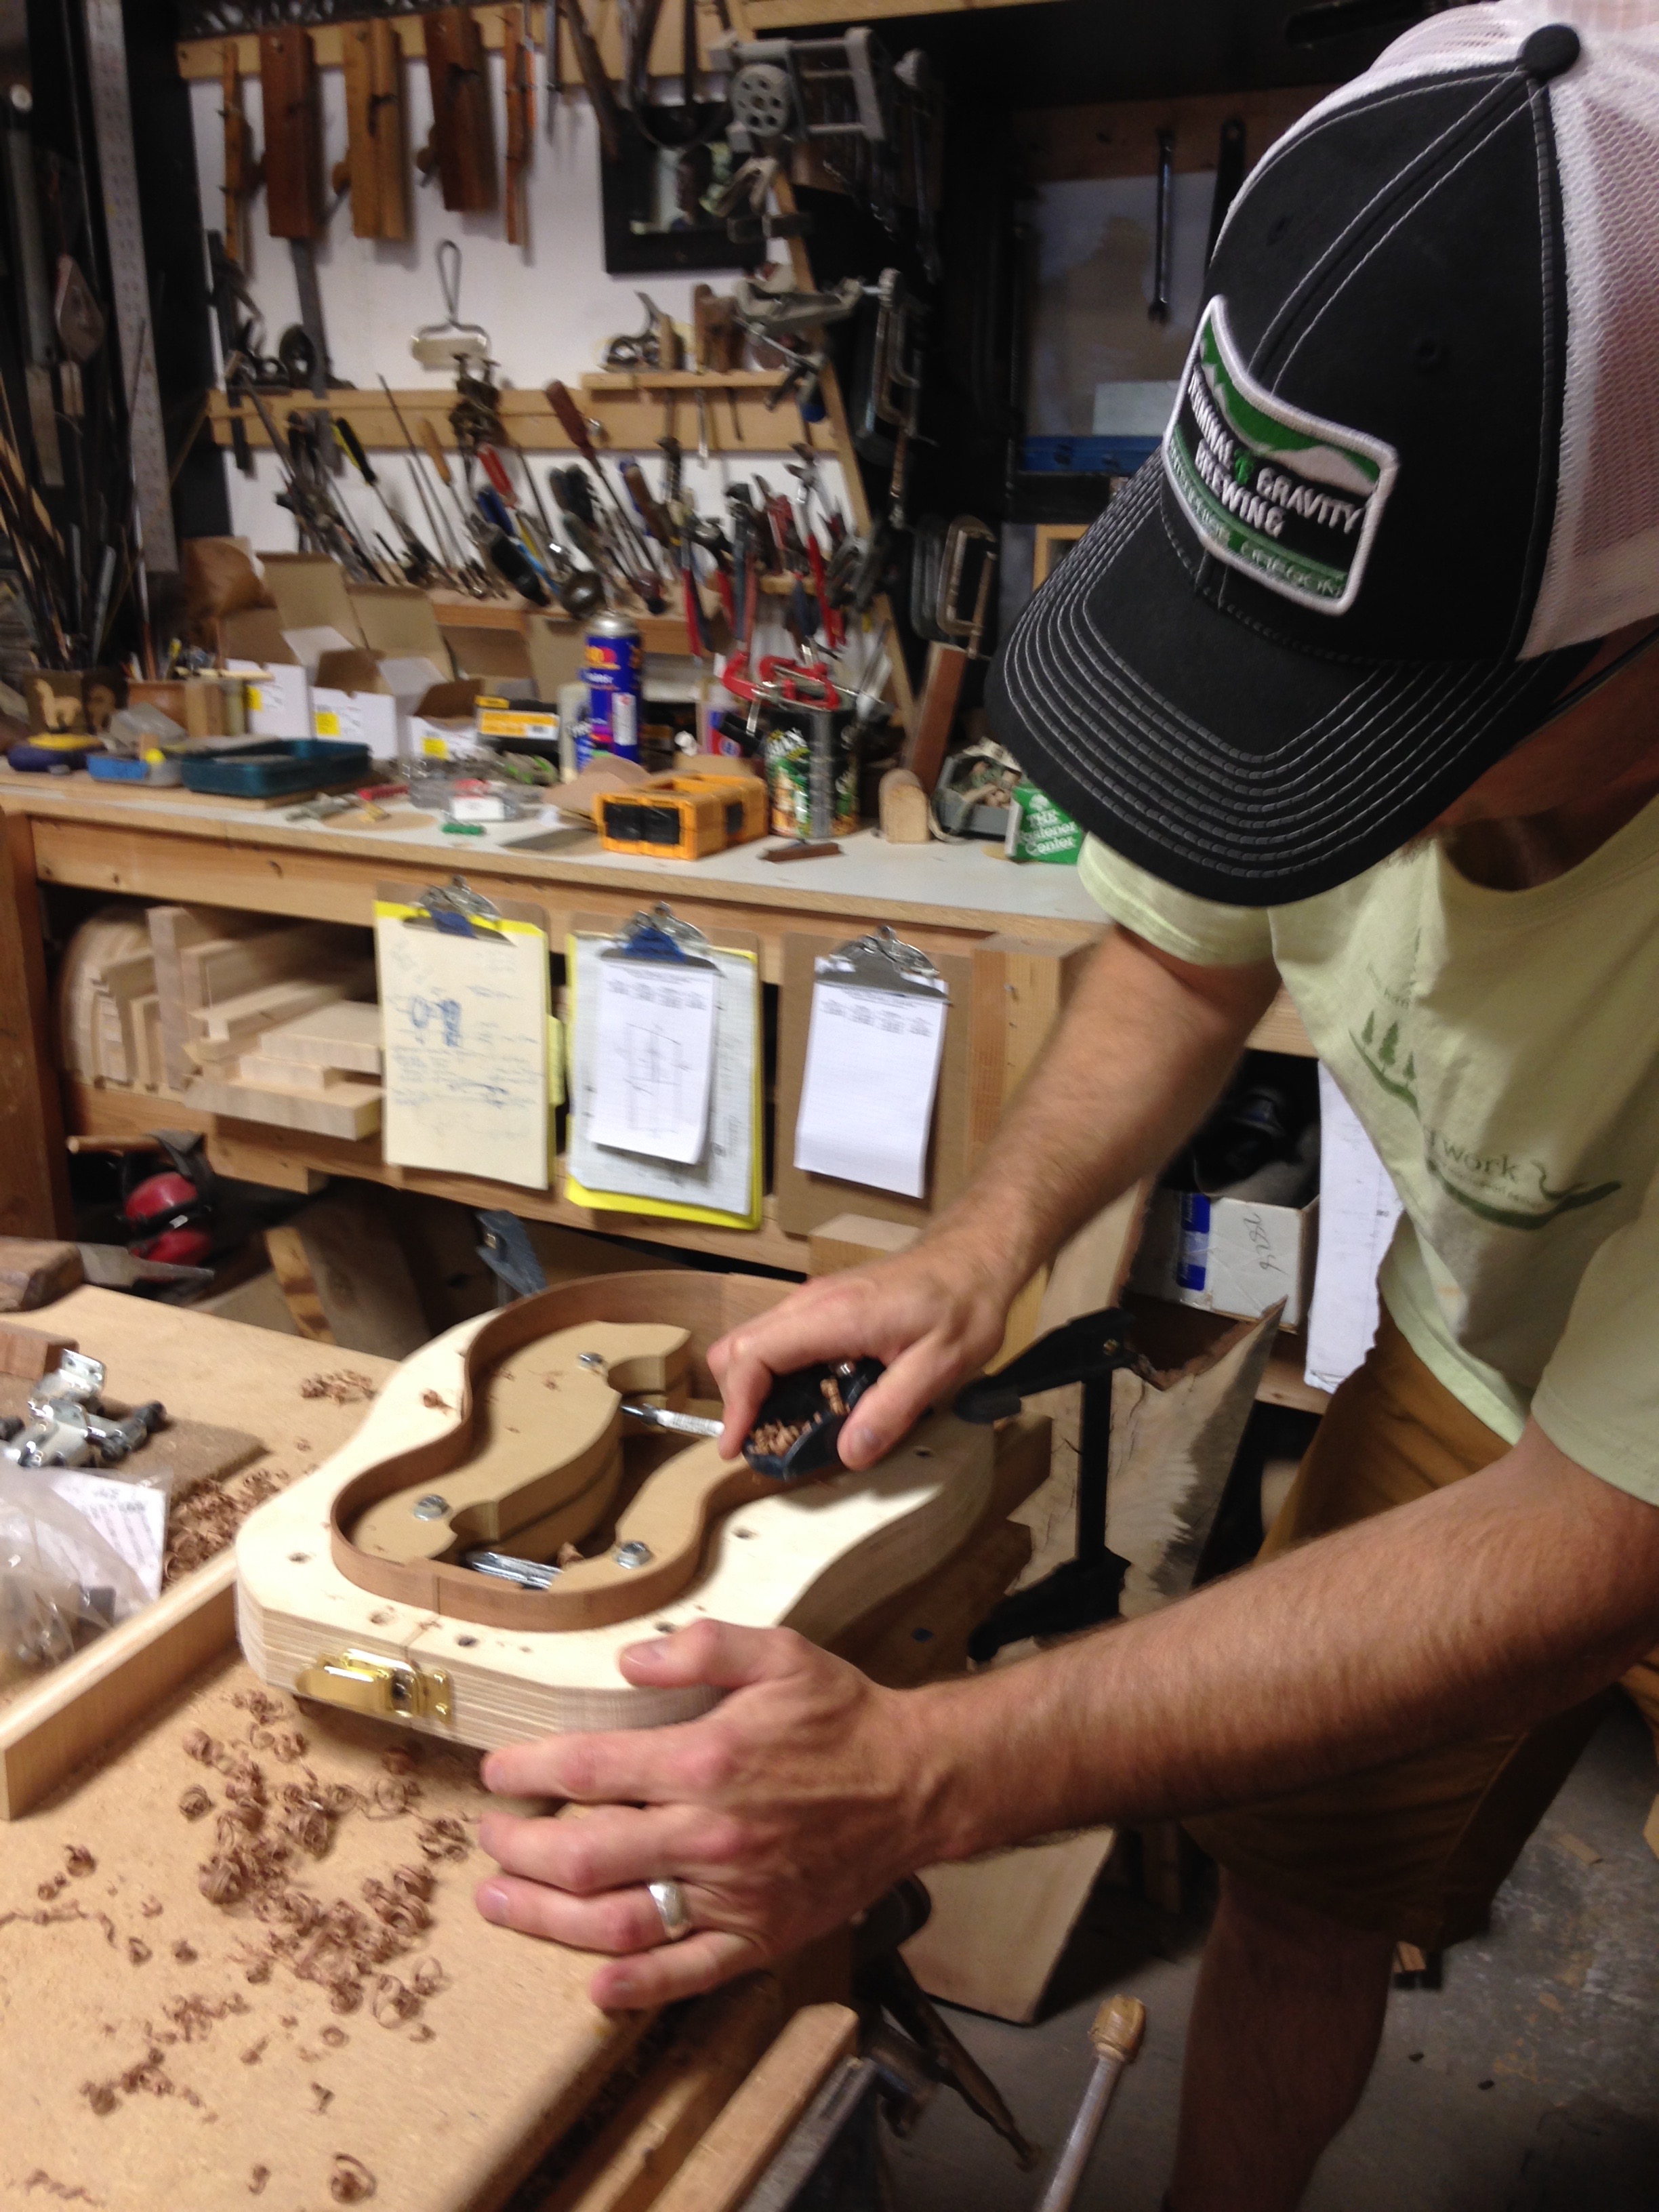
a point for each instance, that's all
(949, 887)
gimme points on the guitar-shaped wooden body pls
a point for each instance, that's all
(506, 1432)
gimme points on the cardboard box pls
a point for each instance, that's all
(529, 719)
(1228, 1255)
(399, 620)
(369, 698)
(444, 725)
(500, 657)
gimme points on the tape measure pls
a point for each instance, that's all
(112, 119)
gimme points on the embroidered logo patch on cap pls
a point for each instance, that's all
(1293, 501)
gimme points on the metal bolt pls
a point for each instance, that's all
(632, 1555)
(590, 1359)
(431, 1507)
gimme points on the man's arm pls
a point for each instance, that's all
(1141, 1053)
(1508, 1596)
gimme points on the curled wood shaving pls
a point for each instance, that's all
(260, 1706)
(346, 1386)
(443, 1837)
(426, 1976)
(152, 1908)
(335, 2037)
(139, 1951)
(194, 1803)
(257, 2180)
(101, 2095)
(184, 1953)
(198, 1744)
(45, 1890)
(79, 1861)
(70, 2193)
(351, 2182)
(397, 1761)
(324, 2097)
(394, 2001)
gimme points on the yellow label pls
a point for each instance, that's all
(328, 722)
(255, 699)
(434, 748)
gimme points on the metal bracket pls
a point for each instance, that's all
(363, 1682)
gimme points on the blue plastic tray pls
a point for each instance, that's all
(275, 767)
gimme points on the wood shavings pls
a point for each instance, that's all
(423, 2031)
(70, 2194)
(205, 1521)
(185, 1953)
(101, 2096)
(336, 2038)
(198, 1744)
(46, 1891)
(152, 1908)
(195, 1804)
(443, 1837)
(221, 1880)
(393, 1796)
(139, 1952)
(426, 1978)
(257, 2180)
(351, 2182)
(397, 1761)
(255, 2052)
(394, 2002)
(79, 1861)
(324, 2097)
(412, 1881)
(260, 1706)
(346, 1386)
(288, 1745)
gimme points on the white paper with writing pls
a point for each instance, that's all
(1358, 1208)
(131, 1517)
(465, 1024)
(654, 1057)
(866, 1099)
(722, 1178)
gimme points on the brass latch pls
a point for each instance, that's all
(366, 1683)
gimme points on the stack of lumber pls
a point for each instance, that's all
(228, 983)
(108, 1011)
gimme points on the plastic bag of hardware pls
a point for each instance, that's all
(62, 1583)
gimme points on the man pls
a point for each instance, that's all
(1349, 686)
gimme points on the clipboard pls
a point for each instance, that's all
(659, 1188)
(465, 1001)
(806, 1199)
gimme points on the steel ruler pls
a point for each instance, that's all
(112, 115)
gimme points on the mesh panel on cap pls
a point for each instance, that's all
(1603, 565)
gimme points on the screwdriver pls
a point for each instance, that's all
(575, 429)
(423, 565)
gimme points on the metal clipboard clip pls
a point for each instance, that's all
(660, 935)
(883, 962)
(455, 909)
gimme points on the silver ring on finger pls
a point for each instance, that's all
(673, 1910)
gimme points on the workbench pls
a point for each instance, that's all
(146, 2067)
(175, 845)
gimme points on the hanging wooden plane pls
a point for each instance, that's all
(400, 1579)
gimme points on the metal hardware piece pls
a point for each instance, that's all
(590, 1359)
(632, 1555)
(505, 1567)
(665, 1417)
(363, 1682)
(430, 1507)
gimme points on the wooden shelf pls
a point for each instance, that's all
(203, 57)
(289, 1160)
(634, 410)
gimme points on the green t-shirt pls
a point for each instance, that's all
(1502, 1050)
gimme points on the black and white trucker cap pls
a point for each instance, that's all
(1410, 481)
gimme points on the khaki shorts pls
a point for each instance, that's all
(1418, 1848)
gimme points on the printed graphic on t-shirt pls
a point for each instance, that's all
(1512, 1190)
(1293, 501)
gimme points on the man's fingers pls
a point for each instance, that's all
(607, 1851)
(619, 1921)
(714, 1653)
(633, 1767)
(888, 1411)
(803, 1329)
(672, 1971)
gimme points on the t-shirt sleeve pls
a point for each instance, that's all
(1598, 1399)
(1194, 929)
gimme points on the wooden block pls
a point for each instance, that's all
(924, 754)
(229, 967)
(172, 931)
(903, 805)
(999, 1925)
(362, 1273)
(292, 1269)
(755, 2124)
(33, 1271)
(647, 2142)
(293, 133)
(346, 1033)
(852, 1240)
(238, 1021)
(337, 1114)
(375, 167)
(257, 1068)
(463, 142)
(31, 1352)
(144, 1041)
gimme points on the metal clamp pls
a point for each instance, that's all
(363, 1682)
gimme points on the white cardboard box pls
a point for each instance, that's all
(1228, 1255)
(369, 698)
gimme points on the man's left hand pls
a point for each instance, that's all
(802, 1796)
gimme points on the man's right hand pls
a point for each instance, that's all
(933, 1316)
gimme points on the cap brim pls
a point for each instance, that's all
(1221, 761)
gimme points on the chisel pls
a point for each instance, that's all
(1117, 2032)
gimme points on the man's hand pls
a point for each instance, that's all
(781, 1814)
(933, 1316)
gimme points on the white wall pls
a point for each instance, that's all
(548, 305)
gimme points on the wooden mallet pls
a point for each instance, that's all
(1117, 2032)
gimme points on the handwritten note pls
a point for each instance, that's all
(867, 1100)
(720, 1183)
(655, 1057)
(1358, 1208)
(465, 1024)
(131, 1517)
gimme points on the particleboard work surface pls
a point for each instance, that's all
(200, 2076)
